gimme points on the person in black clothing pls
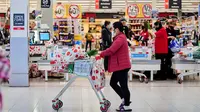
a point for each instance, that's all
(171, 35)
(125, 29)
(106, 40)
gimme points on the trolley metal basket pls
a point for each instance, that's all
(82, 68)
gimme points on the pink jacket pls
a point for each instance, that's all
(118, 54)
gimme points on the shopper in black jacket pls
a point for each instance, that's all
(106, 40)
(125, 29)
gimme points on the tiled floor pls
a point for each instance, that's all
(166, 96)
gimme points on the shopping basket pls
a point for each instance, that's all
(84, 68)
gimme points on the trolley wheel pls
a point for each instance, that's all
(60, 103)
(146, 80)
(103, 109)
(107, 103)
(141, 79)
(55, 107)
(180, 81)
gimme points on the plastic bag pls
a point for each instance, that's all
(174, 46)
(98, 74)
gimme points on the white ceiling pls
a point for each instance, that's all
(117, 5)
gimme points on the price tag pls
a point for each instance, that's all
(74, 11)
(133, 11)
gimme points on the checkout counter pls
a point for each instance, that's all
(141, 60)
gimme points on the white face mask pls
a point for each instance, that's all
(109, 26)
(113, 33)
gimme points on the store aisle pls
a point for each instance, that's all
(153, 97)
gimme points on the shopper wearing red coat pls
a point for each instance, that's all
(119, 64)
(161, 49)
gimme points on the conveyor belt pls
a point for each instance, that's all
(178, 61)
(145, 61)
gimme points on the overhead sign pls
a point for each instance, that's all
(166, 4)
(133, 11)
(64, 11)
(175, 4)
(45, 3)
(75, 11)
(147, 10)
(18, 21)
(103, 4)
(139, 11)
(60, 11)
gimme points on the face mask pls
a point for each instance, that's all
(114, 33)
(109, 26)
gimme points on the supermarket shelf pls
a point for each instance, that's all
(63, 33)
(65, 26)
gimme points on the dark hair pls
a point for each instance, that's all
(106, 23)
(158, 23)
(118, 25)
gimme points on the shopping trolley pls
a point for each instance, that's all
(141, 54)
(83, 68)
(186, 60)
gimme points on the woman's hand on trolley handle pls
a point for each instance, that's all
(98, 56)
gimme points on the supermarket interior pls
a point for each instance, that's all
(99, 55)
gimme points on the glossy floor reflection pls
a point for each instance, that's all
(165, 96)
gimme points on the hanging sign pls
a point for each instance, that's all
(166, 4)
(103, 4)
(75, 11)
(45, 3)
(18, 22)
(133, 11)
(147, 10)
(175, 4)
(139, 11)
(60, 11)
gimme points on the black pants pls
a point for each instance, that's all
(106, 63)
(170, 72)
(163, 70)
(90, 44)
(122, 90)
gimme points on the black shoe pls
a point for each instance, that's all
(124, 109)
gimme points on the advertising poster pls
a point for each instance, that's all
(18, 21)
(60, 11)
(75, 11)
(64, 11)
(139, 11)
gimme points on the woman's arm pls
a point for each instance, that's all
(113, 48)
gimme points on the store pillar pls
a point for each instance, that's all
(47, 15)
(19, 46)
